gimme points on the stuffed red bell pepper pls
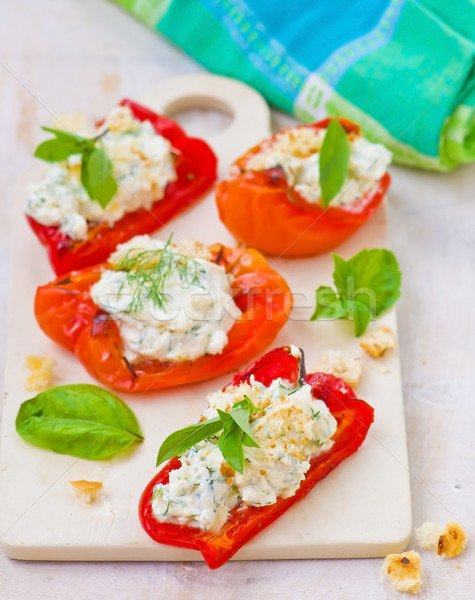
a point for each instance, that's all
(265, 441)
(272, 200)
(128, 175)
(163, 313)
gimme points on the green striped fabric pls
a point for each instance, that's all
(403, 69)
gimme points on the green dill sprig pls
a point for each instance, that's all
(147, 273)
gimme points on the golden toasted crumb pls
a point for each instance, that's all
(226, 470)
(378, 341)
(340, 365)
(194, 249)
(449, 540)
(41, 376)
(88, 490)
(452, 541)
(404, 571)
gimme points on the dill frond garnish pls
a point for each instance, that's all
(147, 273)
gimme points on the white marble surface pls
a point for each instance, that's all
(57, 56)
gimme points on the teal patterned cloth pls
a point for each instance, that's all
(402, 69)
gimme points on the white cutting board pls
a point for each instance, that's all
(362, 509)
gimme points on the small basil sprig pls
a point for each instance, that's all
(236, 433)
(366, 285)
(96, 167)
(80, 420)
(333, 161)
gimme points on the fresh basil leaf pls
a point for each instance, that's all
(342, 273)
(361, 315)
(241, 418)
(230, 444)
(80, 420)
(61, 134)
(97, 176)
(333, 161)
(367, 285)
(56, 149)
(328, 306)
(235, 432)
(249, 441)
(247, 405)
(180, 441)
(96, 168)
(377, 271)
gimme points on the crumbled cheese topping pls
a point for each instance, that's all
(190, 318)
(291, 427)
(142, 165)
(296, 151)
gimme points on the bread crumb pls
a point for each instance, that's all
(195, 249)
(77, 123)
(449, 540)
(338, 364)
(452, 541)
(87, 490)
(41, 376)
(427, 535)
(458, 566)
(378, 341)
(404, 571)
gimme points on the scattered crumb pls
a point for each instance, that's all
(378, 341)
(404, 571)
(87, 490)
(452, 541)
(384, 370)
(73, 122)
(195, 249)
(41, 376)
(342, 366)
(458, 566)
(427, 535)
(449, 540)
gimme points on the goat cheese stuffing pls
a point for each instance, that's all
(170, 302)
(142, 165)
(291, 428)
(297, 151)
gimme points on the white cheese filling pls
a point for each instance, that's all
(291, 428)
(297, 151)
(179, 306)
(142, 166)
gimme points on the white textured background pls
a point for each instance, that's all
(58, 56)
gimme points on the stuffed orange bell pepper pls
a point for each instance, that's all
(272, 200)
(158, 316)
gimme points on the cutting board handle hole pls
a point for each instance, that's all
(200, 116)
